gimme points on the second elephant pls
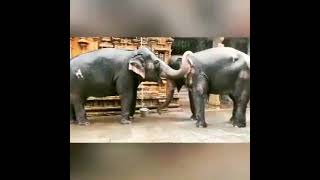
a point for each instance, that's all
(221, 70)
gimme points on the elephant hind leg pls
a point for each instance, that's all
(133, 105)
(234, 107)
(239, 119)
(241, 98)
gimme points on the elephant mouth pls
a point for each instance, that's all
(160, 82)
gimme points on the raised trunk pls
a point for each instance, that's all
(171, 87)
(168, 72)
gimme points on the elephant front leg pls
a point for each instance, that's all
(133, 106)
(200, 109)
(193, 116)
(126, 108)
(199, 96)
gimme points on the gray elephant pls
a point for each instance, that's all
(220, 70)
(109, 72)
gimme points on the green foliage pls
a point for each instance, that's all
(180, 45)
(238, 43)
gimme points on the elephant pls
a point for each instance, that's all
(218, 70)
(110, 72)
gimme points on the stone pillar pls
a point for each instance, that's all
(168, 53)
(217, 42)
(152, 43)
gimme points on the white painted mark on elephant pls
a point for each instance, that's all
(79, 74)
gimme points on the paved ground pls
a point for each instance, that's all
(171, 127)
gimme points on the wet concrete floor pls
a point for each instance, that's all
(170, 127)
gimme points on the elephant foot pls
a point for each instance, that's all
(125, 121)
(84, 123)
(193, 118)
(239, 123)
(201, 124)
(232, 119)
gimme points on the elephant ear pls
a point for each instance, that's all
(190, 74)
(189, 77)
(136, 65)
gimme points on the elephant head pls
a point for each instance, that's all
(150, 68)
(146, 64)
(181, 69)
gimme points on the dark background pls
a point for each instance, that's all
(189, 22)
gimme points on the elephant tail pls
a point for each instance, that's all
(239, 55)
(245, 57)
(247, 60)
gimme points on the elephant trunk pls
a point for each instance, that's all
(171, 86)
(168, 72)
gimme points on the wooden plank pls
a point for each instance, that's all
(175, 96)
(98, 108)
(117, 112)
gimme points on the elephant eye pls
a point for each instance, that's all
(142, 63)
(148, 56)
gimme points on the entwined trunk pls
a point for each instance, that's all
(168, 72)
(171, 86)
(172, 74)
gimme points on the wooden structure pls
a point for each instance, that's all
(150, 94)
